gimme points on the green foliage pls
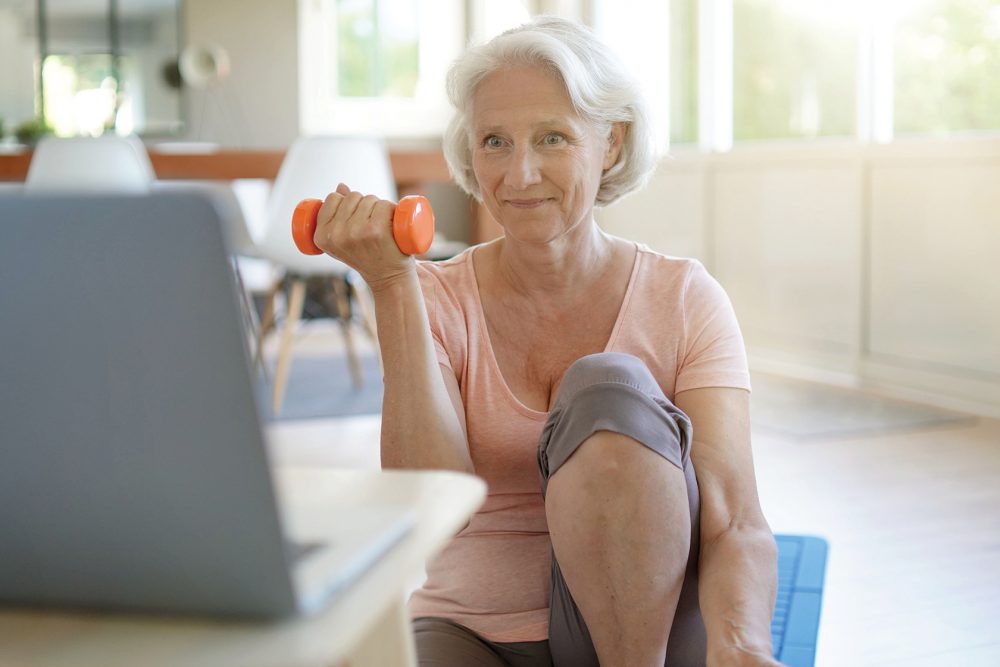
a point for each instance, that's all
(371, 63)
(789, 65)
(947, 60)
(30, 131)
(792, 77)
(355, 55)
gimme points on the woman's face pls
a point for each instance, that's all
(537, 162)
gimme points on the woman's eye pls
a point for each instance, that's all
(493, 142)
(553, 139)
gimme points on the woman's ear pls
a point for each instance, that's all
(615, 139)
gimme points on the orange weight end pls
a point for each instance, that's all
(413, 225)
(304, 226)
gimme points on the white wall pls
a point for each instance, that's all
(865, 265)
(18, 52)
(257, 106)
(151, 39)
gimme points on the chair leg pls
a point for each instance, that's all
(340, 290)
(295, 304)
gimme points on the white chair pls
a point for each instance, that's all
(90, 164)
(312, 168)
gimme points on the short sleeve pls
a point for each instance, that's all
(431, 291)
(713, 353)
(444, 313)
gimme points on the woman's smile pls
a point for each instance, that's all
(525, 203)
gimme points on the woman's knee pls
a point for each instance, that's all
(604, 368)
(614, 395)
(612, 461)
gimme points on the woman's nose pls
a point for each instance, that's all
(522, 169)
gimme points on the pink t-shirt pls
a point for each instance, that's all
(494, 577)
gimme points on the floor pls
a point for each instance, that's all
(913, 522)
(912, 518)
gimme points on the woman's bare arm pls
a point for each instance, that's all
(737, 578)
(423, 422)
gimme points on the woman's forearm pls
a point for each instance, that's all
(420, 428)
(737, 584)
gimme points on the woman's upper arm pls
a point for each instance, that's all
(722, 458)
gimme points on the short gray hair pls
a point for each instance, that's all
(601, 89)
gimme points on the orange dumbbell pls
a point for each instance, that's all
(412, 225)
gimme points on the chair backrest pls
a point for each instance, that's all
(312, 168)
(107, 164)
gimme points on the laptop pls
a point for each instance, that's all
(133, 469)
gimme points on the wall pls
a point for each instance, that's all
(152, 40)
(870, 266)
(18, 52)
(257, 106)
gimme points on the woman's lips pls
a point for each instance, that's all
(526, 203)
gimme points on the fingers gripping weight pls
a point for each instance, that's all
(412, 225)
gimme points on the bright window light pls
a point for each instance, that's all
(82, 98)
(377, 66)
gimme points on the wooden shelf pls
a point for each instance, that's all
(412, 169)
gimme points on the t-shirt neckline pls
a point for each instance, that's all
(488, 344)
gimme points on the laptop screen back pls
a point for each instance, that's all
(133, 474)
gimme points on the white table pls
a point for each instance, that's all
(366, 625)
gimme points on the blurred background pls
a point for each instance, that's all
(836, 165)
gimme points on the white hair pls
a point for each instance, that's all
(600, 88)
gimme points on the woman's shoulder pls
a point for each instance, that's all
(455, 271)
(682, 281)
(449, 283)
(447, 268)
(665, 269)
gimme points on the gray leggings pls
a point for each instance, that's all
(601, 392)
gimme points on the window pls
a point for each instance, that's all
(947, 64)
(102, 66)
(80, 93)
(492, 17)
(377, 66)
(377, 48)
(643, 49)
(684, 71)
(794, 69)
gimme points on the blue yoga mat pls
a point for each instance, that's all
(801, 575)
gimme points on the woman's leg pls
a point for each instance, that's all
(622, 506)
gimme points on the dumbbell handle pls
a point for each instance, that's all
(412, 225)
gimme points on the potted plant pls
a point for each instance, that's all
(30, 131)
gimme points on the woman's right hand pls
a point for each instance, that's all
(357, 230)
(422, 417)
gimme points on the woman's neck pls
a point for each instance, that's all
(556, 270)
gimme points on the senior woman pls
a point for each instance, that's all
(599, 388)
